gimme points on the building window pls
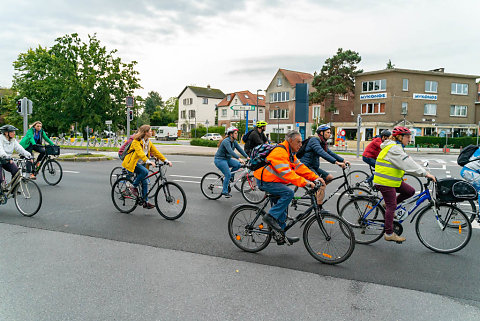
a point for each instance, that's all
(374, 85)
(316, 112)
(235, 113)
(224, 112)
(191, 114)
(429, 131)
(458, 111)
(205, 101)
(278, 130)
(279, 114)
(431, 86)
(373, 108)
(404, 108)
(260, 110)
(246, 96)
(184, 127)
(192, 126)
(459, 89)
(279, 96)
(343, 96)
(405, 85)
(430, 109)
(336, 112)
(188, 101)
(183, 114)
(229, 97)
(279, 81)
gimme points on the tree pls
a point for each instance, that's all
(167, 113)
(152, 102)
(75, 82)
(390, 65)
(337, 76)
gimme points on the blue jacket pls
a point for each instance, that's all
(226, 150)
(314, 150)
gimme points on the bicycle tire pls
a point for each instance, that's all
(469, 208)
(340, 243)
(369, 230)
(115, 174)
(242, 235)
(251, 192)
(458, 228)
(175, 198)
(238, 183)
(212, 185)
(122, 197)
(414, 182)
(52, 172)
(26, 189)
(346, 195)
(356, 177)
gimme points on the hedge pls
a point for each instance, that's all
(273, 137)
(203, 142)
(203, 130)
(455, 142)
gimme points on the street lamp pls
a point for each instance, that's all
(278, 124)
(257, 102)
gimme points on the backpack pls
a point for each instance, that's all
(258, 157)
(126, 147)
(464, 156)
(301, 151)
(246, 135)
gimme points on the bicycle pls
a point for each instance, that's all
(327, 237)
(25, 192)
(175, 200)
(366, 217)
(211, 185)
(52, 171)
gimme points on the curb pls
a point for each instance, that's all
(85, 159)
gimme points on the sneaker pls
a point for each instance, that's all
(227, 195)
(394, 237)
(134, 191)
(148, 205)
(272, 222)
(32, 176)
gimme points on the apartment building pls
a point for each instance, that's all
(240, 105)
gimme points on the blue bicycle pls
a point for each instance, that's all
(441, 227)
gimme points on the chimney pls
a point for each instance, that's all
(208, 87)
(438, 70)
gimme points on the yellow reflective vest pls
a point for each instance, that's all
(386, 173)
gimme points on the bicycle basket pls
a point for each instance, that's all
(52, 150)
(452, 190)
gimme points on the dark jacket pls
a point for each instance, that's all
(315, 149)
(226, 150)
(254, 139)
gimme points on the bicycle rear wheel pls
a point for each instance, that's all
(347, 195)
(212, 185)
(469, 208)
(28, 197)
(329, 240)
(246, 233)
(251, 192)
(170, 201)
(356, 177)
(122, 196)
(449, 232)
(115, 174)
(367, 230)
(414, 182)
(52, 172)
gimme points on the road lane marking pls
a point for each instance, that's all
(185, 176)
(73, 172)
(180, 180)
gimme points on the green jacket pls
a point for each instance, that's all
(29, 140)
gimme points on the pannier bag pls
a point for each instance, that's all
(464, 156)
(52, 150)
(452, 190)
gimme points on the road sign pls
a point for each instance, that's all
(129, 101)
(242, 107)
(108, 122)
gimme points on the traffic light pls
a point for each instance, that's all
(90, 130)
(19, 106)
(130, 115)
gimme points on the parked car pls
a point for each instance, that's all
(212, 136)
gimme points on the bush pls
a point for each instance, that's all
(273, 137)
(203, 142)
(439, 142)
(203, 130)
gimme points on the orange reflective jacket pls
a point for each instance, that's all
(282, 170)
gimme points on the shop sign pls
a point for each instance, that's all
(425, 96)
(373, 96)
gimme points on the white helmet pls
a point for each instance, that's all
(231, 130)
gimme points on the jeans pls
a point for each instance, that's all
(224, 166)
(371, 162)
(38, 148)
(391, 200)
(279, 205)
(142, 173)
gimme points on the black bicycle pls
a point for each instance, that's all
(327, 237)
(170, 199)
(51, 170)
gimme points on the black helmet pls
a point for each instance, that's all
(8, 128)
(386, 132)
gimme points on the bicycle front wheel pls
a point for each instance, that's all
(356, 177)
(329, 240)
(212, 185)
(448, 232)
(367, 228)
(52, 172)
(251, 192)
(414, 182)
(247, 231)
(28, 197)
(122, 196)
(170, 201)
(115, 174)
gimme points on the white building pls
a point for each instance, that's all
(229, 108)
(196, 105)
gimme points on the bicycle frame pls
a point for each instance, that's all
(160, 180)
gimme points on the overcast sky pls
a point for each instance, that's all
(238, 45)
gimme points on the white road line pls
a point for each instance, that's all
(441, 161)
(475, 224)
(448, 176)
(179, 180)
(185, 176)
(447, 172)
(73, 172)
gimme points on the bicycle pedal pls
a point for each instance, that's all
(398, 242)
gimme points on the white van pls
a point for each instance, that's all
(166, 133)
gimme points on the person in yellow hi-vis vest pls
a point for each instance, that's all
(391, 164)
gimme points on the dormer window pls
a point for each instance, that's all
(246, 96)
(229, 97)
(279, 81)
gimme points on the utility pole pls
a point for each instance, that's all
(359, 124)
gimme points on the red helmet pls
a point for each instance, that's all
(400, 130)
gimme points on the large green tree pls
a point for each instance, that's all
(337, 76)
(152, 102)
(75, 82)
(166, 114)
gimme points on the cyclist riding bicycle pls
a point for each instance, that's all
(137, 160)
(256, 137)
(8, 144)
(224, 157)
(372, 150)
(283, 168)
(33, 141)
(391, 165)
(471, 171)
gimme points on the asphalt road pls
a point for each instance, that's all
(81, 204)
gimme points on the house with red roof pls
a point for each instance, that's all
(240, 105)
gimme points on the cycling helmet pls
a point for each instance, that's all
(400, 130)
(386, 132)
(322, 128)
(231, 130)
(261, 123)
(8, 128)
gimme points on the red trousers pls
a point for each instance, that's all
(391, 200)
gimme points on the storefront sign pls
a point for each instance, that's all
(373, 96)
(425, 96)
